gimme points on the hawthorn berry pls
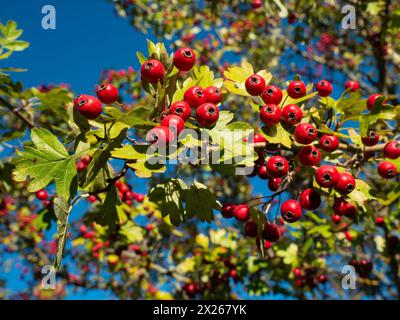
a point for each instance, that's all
(371, 140)
(227, 210)
(329, 143)
(86, 159)
(322, 278)
(184, 59)
(291, 114)
(292, 17)
(41, 194)
(138, 197)
(256, 4)
(352, 85)
(277, 166)
(297, 272)
(80, 166)
(255, 85)
(207, 114)
(213, 94)
(296, 89)
(309, 156)
(345, 183)
(291, 211)
(392, 150)
(241, 212)
(191, 289)
(274, 184)
(371, 100)
(181, 109)
(107, 93)
(259, 138)
(305, 133)
(272, 95)
(152, 71)
(326, 176)
(324, 88)
(250, 228)
(194, 96)
(174, 123)
(343, 208)
(88, 106)
(270, 114)
(310, 199)
(159, 135)
(263, 172)
(380, 221)
(271, 232)
(387, 170)
(336, 218)
(348, 236)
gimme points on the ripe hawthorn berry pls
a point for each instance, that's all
(336, 218)
(291, 211)
(86, 159)
(291, 114)
(181, 109)
(277, 166)
(352, 85)
(241, 212)
(92, 199)
(270, 114)
(305, 133)
(191, 289)
(326, 176)
(88, 106)
(227, 210)
(387, 170)
(271, 232)
(152, 71)
(272, 95)
(380, 221)
(263, 172)
(194, 96)
(371, 100)
(329, 143)
(309, 156)
(274, 184)
(213, 94)
(250, 228)
(255, 85)
(256, 4)
(174, 123)
(345, 183)
(80, 166)
(138, 197)
(160, 136)
(184, 59)
(310, 199)
(392, 150)
(324, 88)
(207, 114)
(371, 140)
(296, 89)
(107, 93)
(259, 138)
(41, 194)
(343, 208)
(292, 17)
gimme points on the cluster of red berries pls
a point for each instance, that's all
(309, 277)
(91, 107)
(43, 196)
(126, 193)
(83, 163)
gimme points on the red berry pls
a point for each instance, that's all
(107, 93)
(392, 150)
(371, 140)
(322, 278)
(291, 211)
(297, 272)
(271, 232)
(270, 114)
(160, 135)
(233, 274)
(326, 176)
(292, 17)
(184, 59)
(324, 88)
(194, 96)
(174, 123)
(387, 170)
(352, 85)
(124, 188)
(213, 94)
(343, 208)
(291, 114)
(88, 106)
(310, 199)
(80, 166)
(277, 166)
(305, 133)
(86, 159)
(309, 156)
(336, 218)
(371, 100)
(190, 288)
(250, 229)
(345, 183)
(274, 184)
(272, 95)
(41, 194)
(128, 195)
(152, 71)
(380, 221)
(138, 197)
(296, 89)
(257, 4)
(263, 172)
(329, 143)
(83, 229)
(181, 109)
(259, 138)
(92, 199)
(255, 85)
(348, 236)
(207, 114)
(241, 212)
(227, 210)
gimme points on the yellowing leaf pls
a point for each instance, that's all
(202, 240)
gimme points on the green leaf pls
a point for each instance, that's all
(132, 232)
(62, 210)
(277, 134)
(137, 118)
(108, 214)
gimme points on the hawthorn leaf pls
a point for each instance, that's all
(108, 215)
(277, 134)
(61, 210)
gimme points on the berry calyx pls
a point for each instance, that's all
(255, 85)
(305, 133)
(174, 123)
(310, 199)
(291, 114)
(291, 211)
(181, 109)
(194, 96)
(270, 114)
(309, 156)
(277, 166)
(296, 89)
(41, 194)
(213, 94)
(329, 143)
(324, 88)
(159, 136)
(107, 93)
(352, 85)
(207, 114)
(387, 170)
(184, 59)
(241, 212)
(371, 100)
(371, 140)
(326, 176)
(88, 106)
(345, 183)
(392, 150)
(272, 95)
(152, 71)
(271, 232)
